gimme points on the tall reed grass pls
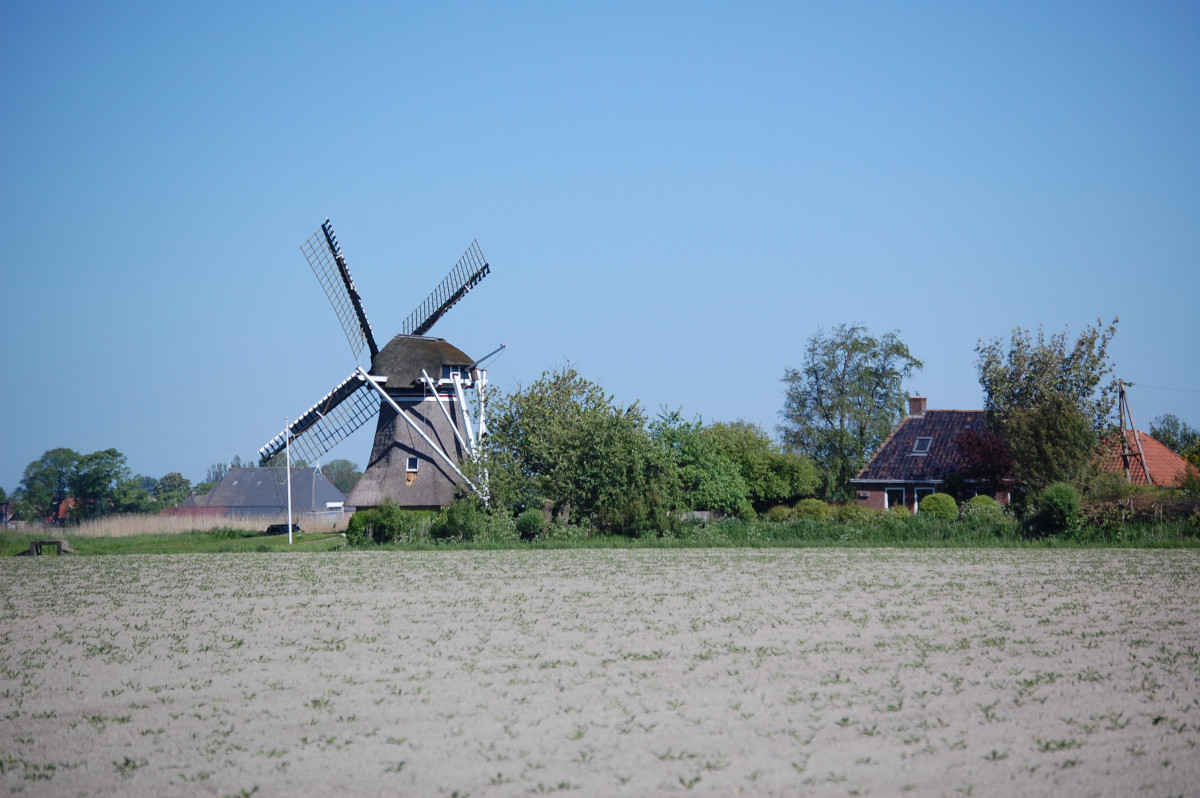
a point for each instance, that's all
(116, 526)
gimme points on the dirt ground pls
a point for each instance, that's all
(597, 673)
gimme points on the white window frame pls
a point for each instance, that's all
(412, 464)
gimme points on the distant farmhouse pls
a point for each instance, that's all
(253, 493)
(920, 457)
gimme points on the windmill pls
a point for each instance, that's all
(416, 385)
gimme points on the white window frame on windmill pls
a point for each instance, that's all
(412, 464)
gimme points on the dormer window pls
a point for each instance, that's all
(921, 447)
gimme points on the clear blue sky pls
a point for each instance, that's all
(673, 198)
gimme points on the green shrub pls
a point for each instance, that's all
(386, 523)
(812, 508)
(530, 524)
(939, 505)
(779, 513)
(463, 520)
(854, 514)
(983, 509)
(1058, 510)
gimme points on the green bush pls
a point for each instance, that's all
(812, 508)
(854, 514)
(939, 505)
(983, 509)
(386, 523)
(530, 524)
(779, 513)
(463, 520)
(1058, 509)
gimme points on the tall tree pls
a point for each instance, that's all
(1174, 433)
(342, 473)
(844, 400)
(1048, 398)
(172, 489)
(46, 483)
(709, 479)
(563, 439)
(94, 481)
(1034, 368)
(1052, 441)
(772, 476)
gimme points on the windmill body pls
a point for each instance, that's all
(417, 386)
(403, 467)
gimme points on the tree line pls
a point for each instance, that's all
(564, 446)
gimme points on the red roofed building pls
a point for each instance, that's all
(1167, 469)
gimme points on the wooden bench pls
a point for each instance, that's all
(35, 548)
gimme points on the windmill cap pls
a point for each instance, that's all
(402, 360)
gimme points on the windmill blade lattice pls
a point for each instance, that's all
(466, 274)
(326, 424)
(325, 257)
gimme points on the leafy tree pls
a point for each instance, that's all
(172, 489)
(1051, 442)
(1034, 369)
(3, 496)
(844, 400)
(563, 439)
(342, 473)
(772, 476)
(94, 481)
(131, 496)
(709, 479)
(1174, 433)
(46, 483)
(1048, 399)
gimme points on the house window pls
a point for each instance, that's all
(921, 493)
(894, 497)
(448, 372)
(922, 445)
(411, 467)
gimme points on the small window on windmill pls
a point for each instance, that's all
(921, 447)
(448, 372)
(411, 467)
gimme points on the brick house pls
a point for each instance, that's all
(919, 458)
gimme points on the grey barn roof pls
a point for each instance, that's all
(256, 489)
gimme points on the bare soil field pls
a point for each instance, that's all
(595, 673)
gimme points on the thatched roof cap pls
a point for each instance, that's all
(404, 356)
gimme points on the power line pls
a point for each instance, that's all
(1162, 387)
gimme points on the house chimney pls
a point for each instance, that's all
(916, 405)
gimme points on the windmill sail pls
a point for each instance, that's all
(327, 423)
(328, 264)
(466, 274)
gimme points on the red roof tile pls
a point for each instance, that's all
(1166, 467)
(898, 459)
